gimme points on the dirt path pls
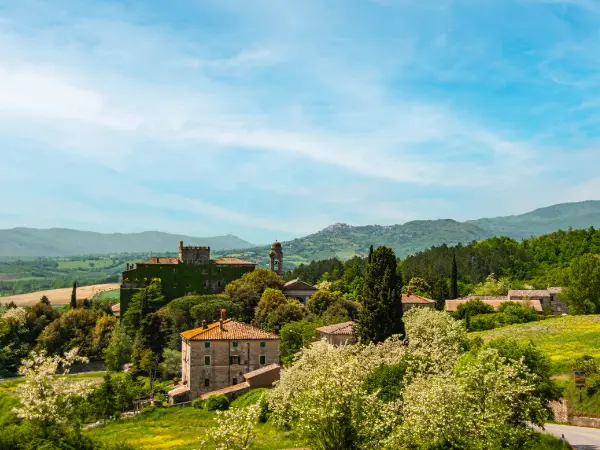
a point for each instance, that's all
(58, 296)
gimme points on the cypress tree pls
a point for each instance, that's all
(370, 254)
(73, 303)
(381, 313)
(454, 280)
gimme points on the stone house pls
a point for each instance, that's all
(298, 290)
(338, 333)
(493, 301)
(410, 301)
(218, 355)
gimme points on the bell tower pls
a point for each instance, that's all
(276, 255)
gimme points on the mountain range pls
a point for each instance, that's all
(341, 240)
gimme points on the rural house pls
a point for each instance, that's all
(218, 355)
(410, 301)
(298, 290)
(541, 300)
(338, 333)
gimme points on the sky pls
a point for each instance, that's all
(274, 119)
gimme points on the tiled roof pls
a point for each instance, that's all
(346, 328)
(227, 390)
(298, 285)
(413, 298)
(161, 260)
(502, 298)
(452, 305)
(178, 390)
(232, 329)
(234, 262)
(262, 370)
(528, 293)
(554, 290)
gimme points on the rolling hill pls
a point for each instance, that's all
(344, 241)
(66, 242)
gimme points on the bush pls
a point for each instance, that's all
(198, 403)
(217, 403)
(483, 322)
(517, 313)
(473, 308)
(586, 364)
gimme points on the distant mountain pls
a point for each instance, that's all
(344, 241)
(65, 242)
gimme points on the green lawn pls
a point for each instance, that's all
(563, 339)
(180, 428)
(85, 264)
(114, 294)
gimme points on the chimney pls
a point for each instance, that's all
(223, 314)
(204, 324)
(221, 327)
(252, 323)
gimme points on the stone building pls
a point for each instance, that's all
(410, 301)
(276, 257)
(338, 333)
(493, 301)
(218, 355)
(191, 272)
(298, 290)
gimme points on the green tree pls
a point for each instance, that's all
(248, 290)
(142, 303)
(454, 279)
(473, 308)
(171, 365)
(583, 291)
(290, 311)
(381, 313)
(269, 301)
(118, 351)
(103, 399)
(321, 300)
(73, 303)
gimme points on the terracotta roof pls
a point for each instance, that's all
(502, 298)
(161, 260)
(232, 329)
(262, 370)
(298, 285)
(528, 293)
(178, 390)
(554, 290)
(346, 328)
(227, 390)
(234, 262)
(452, 305)
(413, 298)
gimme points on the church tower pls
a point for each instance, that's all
(276, 255)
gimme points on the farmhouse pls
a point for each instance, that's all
(410, 301)
(338, 333)
(219, 355)
(542, 300)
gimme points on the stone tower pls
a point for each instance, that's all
(276, 255)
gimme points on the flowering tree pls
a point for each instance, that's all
(234, 430)
(45, 397)
(17, 315)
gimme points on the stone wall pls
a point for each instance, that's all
(584, 422)
(560, 411)
(195, 255)
(220, 373)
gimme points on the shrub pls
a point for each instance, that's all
(483, 322)
(586, 364)
(517, 313)
(473, 308)
(198, 403)
(217, 403)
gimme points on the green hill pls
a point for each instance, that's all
(344, 241)
(66, 242)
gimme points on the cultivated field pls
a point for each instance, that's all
(58, 296)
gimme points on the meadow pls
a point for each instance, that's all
(59, 296)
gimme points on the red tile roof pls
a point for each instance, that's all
(262, 370)
(452, 305)
(161, 260)
(345, 328)
(298, 285)
(232, 329)
(234, 262)
(413, 298)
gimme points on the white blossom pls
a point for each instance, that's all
(18, 315)
(44, 395)
(235, 429)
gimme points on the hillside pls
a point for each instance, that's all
(345, 241)
(66, 242)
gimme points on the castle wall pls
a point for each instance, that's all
(179, 280)
(194, 255)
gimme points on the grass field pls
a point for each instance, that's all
(58, 296)
(113, 294)
(85, 264)
(563, 339)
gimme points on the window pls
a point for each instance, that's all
(263, 344)
(234, 382)
(235, 359)
(234, 344)
(207, 360)
(206, 382)
(262, 359)
(207, 345)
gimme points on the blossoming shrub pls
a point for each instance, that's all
(235, 429)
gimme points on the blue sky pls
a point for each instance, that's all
(274, 119)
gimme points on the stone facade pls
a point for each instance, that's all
(193, 255)
(276, 257)
(298, 290)
(410, 301)
(218, 355)
(338, 333)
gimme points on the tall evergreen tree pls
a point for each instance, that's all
(381, 314)
(454, 279)
(73, 303)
